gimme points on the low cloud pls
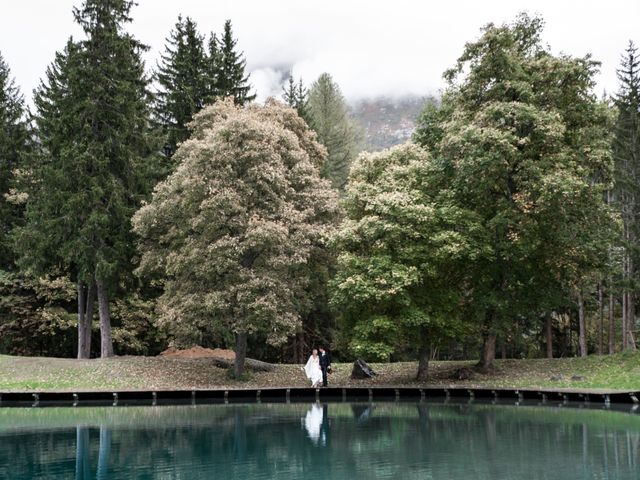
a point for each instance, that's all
(370, 47)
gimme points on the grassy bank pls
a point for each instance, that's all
(617, 372)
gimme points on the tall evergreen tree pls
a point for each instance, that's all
(296, 96)
(192, 75)
(184, 83)
(92, 115)
(213, 67)
(13, 143)
(627, 190)
(328, 116)
(228, 67)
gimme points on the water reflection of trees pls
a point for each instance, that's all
(409, 441)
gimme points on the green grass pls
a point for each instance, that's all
(620, 371)
(616, 372)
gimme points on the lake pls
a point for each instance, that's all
(335, 441)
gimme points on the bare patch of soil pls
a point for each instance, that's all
(198, 352)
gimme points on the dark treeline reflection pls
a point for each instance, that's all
(337, 441)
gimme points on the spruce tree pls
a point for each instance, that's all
(296, 96)
(289, 92)
(13, 144)
(627, 188)
(92, 119)
(328, 116)
(229, 68)
(212, 68)
(184, 83)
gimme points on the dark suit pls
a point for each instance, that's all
(325, 364)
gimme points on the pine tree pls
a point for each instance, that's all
(229, 68)
(184, 83)
(296, 96)
(212, 68)
(627, 188)
(13, 144)
(329, 117)
(92, 118)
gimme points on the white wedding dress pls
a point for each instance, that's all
(313, 423)
(312, 370)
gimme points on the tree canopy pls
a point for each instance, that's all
(84, 183)
(328, 115)
(14, 142)
(402, 253)
(232, 228)
(228, 68)
(528, 149)
(184, 82)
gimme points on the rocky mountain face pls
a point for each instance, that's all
(385, 121)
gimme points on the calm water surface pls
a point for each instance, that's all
(315, 441)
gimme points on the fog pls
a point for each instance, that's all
(372, 48)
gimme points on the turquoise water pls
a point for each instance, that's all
(316, 441)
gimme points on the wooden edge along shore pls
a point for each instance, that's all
(329, 394)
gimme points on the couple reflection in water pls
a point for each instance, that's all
(316, 420)
(316, 423)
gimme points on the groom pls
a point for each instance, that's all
(325, 364)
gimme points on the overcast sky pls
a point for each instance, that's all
(371, 47)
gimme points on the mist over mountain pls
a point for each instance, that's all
(384, 120)
(387, 121)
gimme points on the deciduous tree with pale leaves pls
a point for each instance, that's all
(233, 227)
(402, 255)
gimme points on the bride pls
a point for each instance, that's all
(312, 369)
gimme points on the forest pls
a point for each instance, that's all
(143, 207)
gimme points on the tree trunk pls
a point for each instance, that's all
(488, 351)
(294, 349)
(631, 317)
(569, 334)
(600, 344)
(241, 354)
(624, 320)
(625, 268)
(548, 334)
(299, 346)
(488, 354)
(249, 364)
(82, 338)
(106, 341)
(582, 326)
(86, 300)
(91, 300)
(423, 363)
(612, 326)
